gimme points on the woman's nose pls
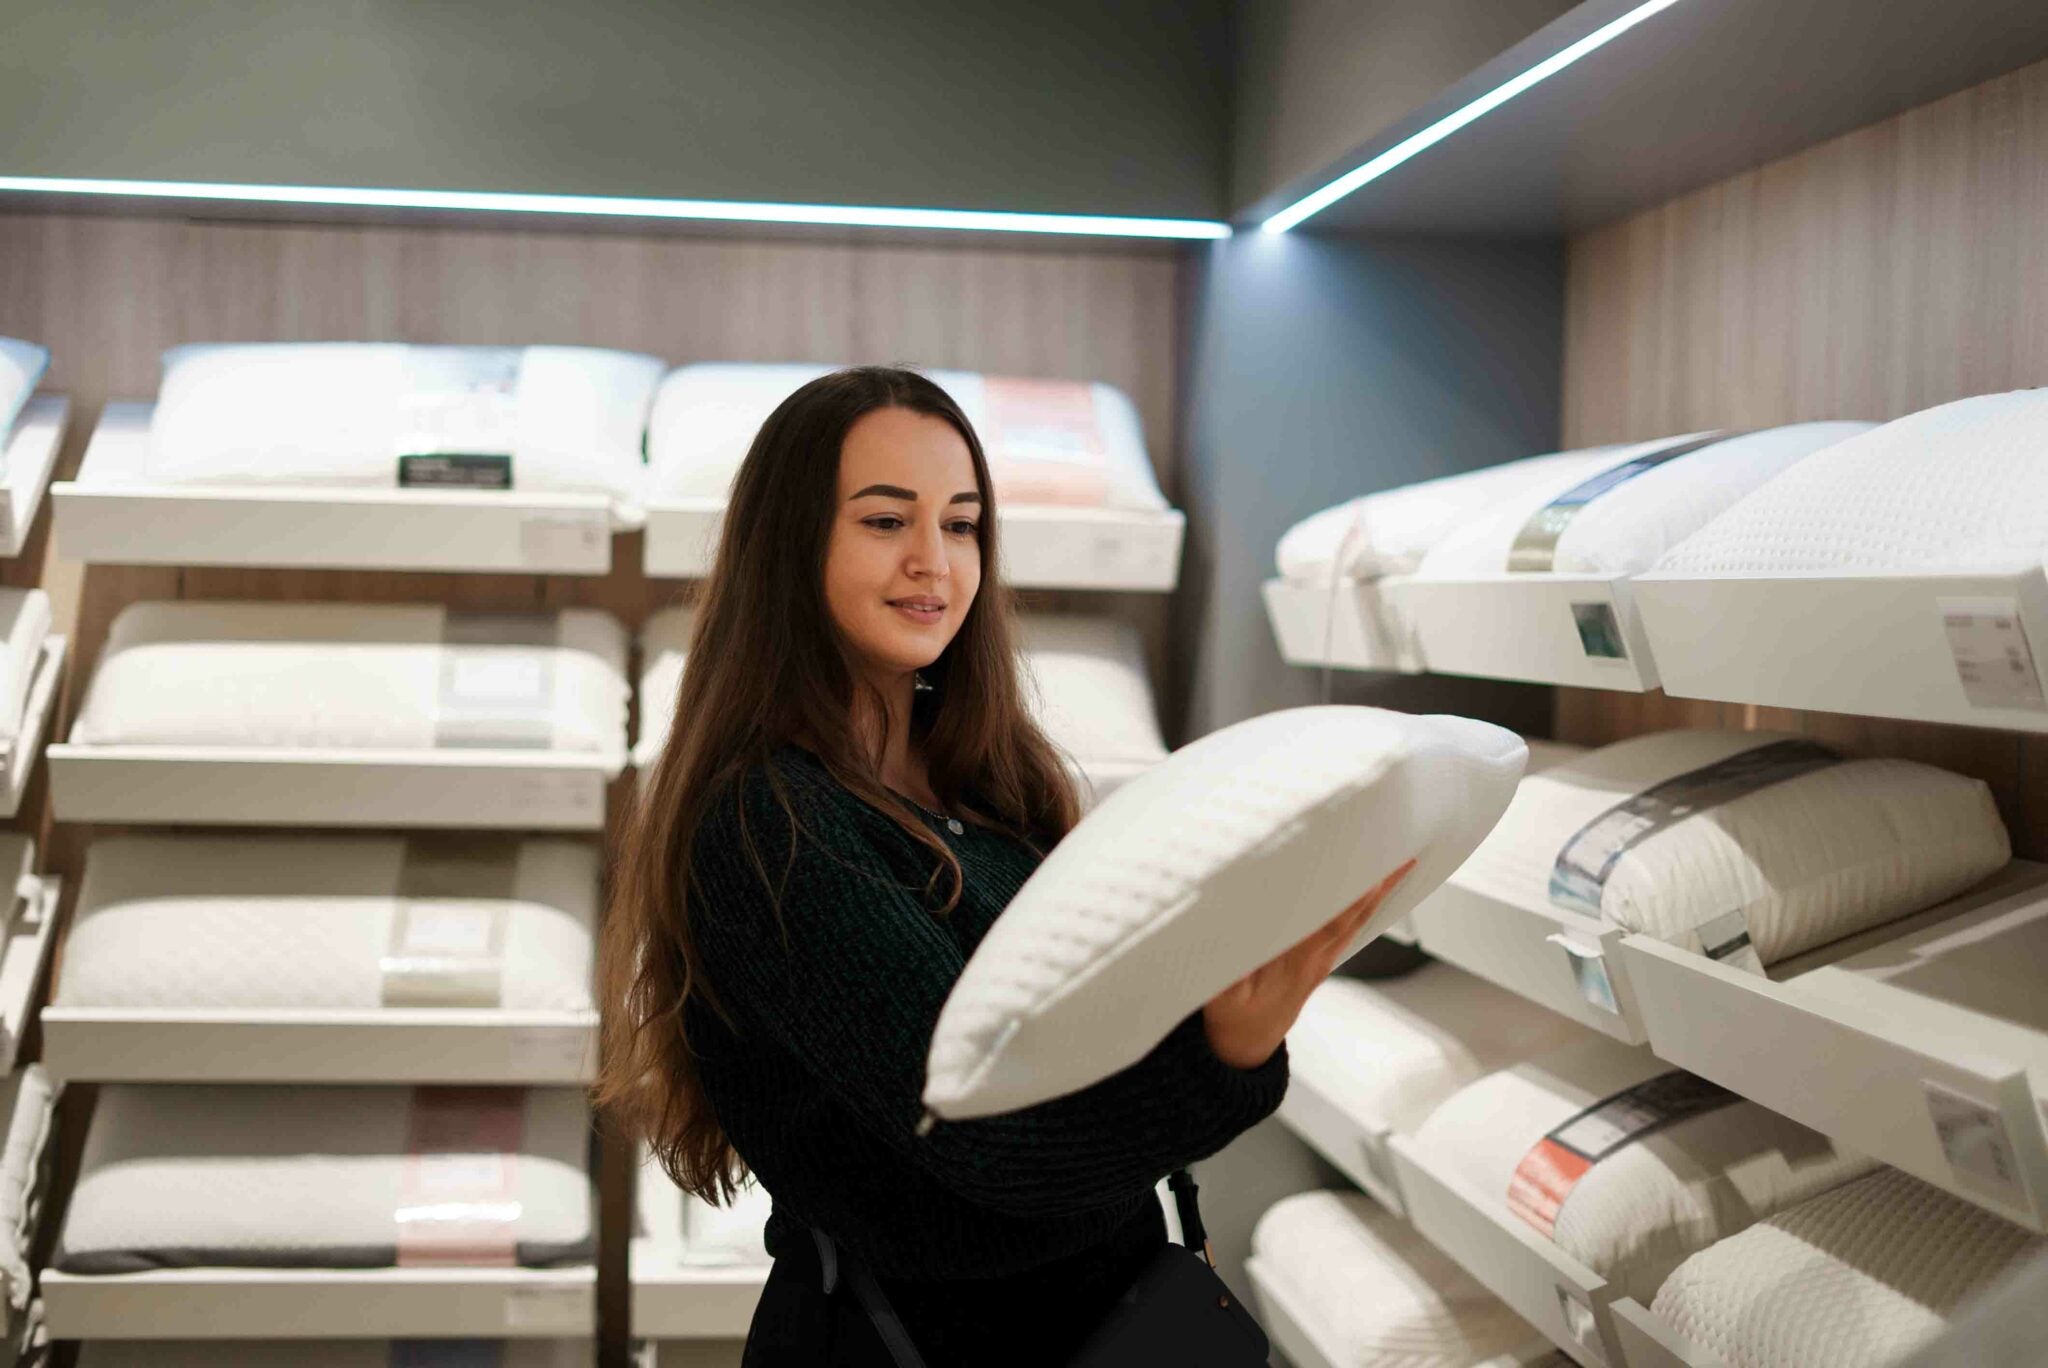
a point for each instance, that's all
(926, 557)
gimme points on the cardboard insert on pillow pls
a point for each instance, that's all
(1234, 849)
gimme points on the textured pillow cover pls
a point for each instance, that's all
(1196, 872)
(570, 419)
(1831, 850)
(1859, 1276)
(301, 923)
(1641, 1209)
(357, 676)
(1374, 1293)
(262, 1176)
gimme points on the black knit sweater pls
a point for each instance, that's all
(834, 1003)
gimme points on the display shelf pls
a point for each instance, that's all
(37, 710)
(674, 1300)
(1349, 627)
(1565, 1300)
(1923, 1044)
(502, 789)
(27, 953)
(1042, 548)
(31, 457)
(1286, 1323)
(323, 1303)
(1878, 645)
(1647, 1342)
(389, 1045)
(1580, 630)
(1355, 1147)
(1556, 959)
(113, 514)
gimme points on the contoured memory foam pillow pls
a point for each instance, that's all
(1213, 862)
(383, 415)
(1673, 834)
(358, 676)
(313, 923)
(1628, 1164)
(1861, 1275)
(1057, 442)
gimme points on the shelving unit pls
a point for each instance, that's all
(1042, 548)
(323, 1303)
(1540, 628)
(31, 457)
(391, 1045)
(1352, 626)
(1287, 1325)
(112, 514)
(25, 956)
(39, 707)
(1888, 651)
(1923, 1044)
(675, 1300)
(514, 789)
(1357, 1150)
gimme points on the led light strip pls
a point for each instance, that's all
(1429, 137)
(610, 206)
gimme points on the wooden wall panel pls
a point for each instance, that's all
(107, 295)
(1897, 267)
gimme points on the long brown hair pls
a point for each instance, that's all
(765, 668)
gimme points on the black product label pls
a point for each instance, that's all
(455, 470)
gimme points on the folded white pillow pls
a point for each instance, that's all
(568, 419)
(1958, 488)
(1371, 1292)
(1206, 866)
(22, 366)
(305, 923)
(1624, 528)
(1047, 441)
(356, 1353)
(1639, 1209)
(357, 676)
(730, 1235)
(24, 627)
(1085, 679)
(1827, 852)
(1389, 1050)
(664, 650)
(1861, 1275)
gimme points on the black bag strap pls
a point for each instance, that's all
(897, 1340)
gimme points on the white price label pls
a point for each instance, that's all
(563, 1310)
(1589, 973)
(1579, 1320)
(1994, 660)
(1975, 1143)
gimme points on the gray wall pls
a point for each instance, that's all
(1114, 107)
(1317, 77)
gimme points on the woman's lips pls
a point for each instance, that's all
(924, 611)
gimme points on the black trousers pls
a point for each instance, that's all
(1034, 1319)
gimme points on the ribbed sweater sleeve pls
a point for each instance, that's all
(840, 963)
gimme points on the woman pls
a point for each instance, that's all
(852, 791)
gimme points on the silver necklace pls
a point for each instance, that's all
(953, 824)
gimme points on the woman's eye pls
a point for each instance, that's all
(962, 527)
(883, 522)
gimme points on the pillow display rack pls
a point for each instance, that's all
(31, 434)
(696, 1270)
(1080, 505)
(1201, 869)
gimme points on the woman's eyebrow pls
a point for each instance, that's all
(966, 496)
(887, 491)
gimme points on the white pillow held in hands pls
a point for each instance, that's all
(1234, 849)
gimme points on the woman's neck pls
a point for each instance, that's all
(881, 721)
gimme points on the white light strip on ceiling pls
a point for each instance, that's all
(610, 206)
(1443, 128)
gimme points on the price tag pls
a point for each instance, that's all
(1589, 973)
(1975, 1143)
(1994, 660)
(564, 1310)
(1579, 1321)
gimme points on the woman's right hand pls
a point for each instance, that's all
(1247, 1021)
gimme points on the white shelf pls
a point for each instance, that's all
(1286, 1322)
(672, 1300)
(27, 952)
(497, 789)
(1356, 1149)
(112, 514)
(1865, 1040)
(37, 710)
(323, 1303)
(1543, 954)
(1528, 627)
(392, 1045)
(1554, 1292)
(1350, 627)
(1042, 548)
(31, 457)
(1869, 644)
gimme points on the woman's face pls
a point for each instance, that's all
(904, 560)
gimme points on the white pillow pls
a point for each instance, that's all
(1641, 1207)
(1233, 849)
(344, 413)
(22, 365)
(1047, 441)
(1087, 684)
(1833, 849)
(721, 1236)
(664, 650)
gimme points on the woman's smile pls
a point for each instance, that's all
(922, 609)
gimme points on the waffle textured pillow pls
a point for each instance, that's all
(1704, 837)
(1861, 1275)
(1629, 1165)
(1206, 866)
